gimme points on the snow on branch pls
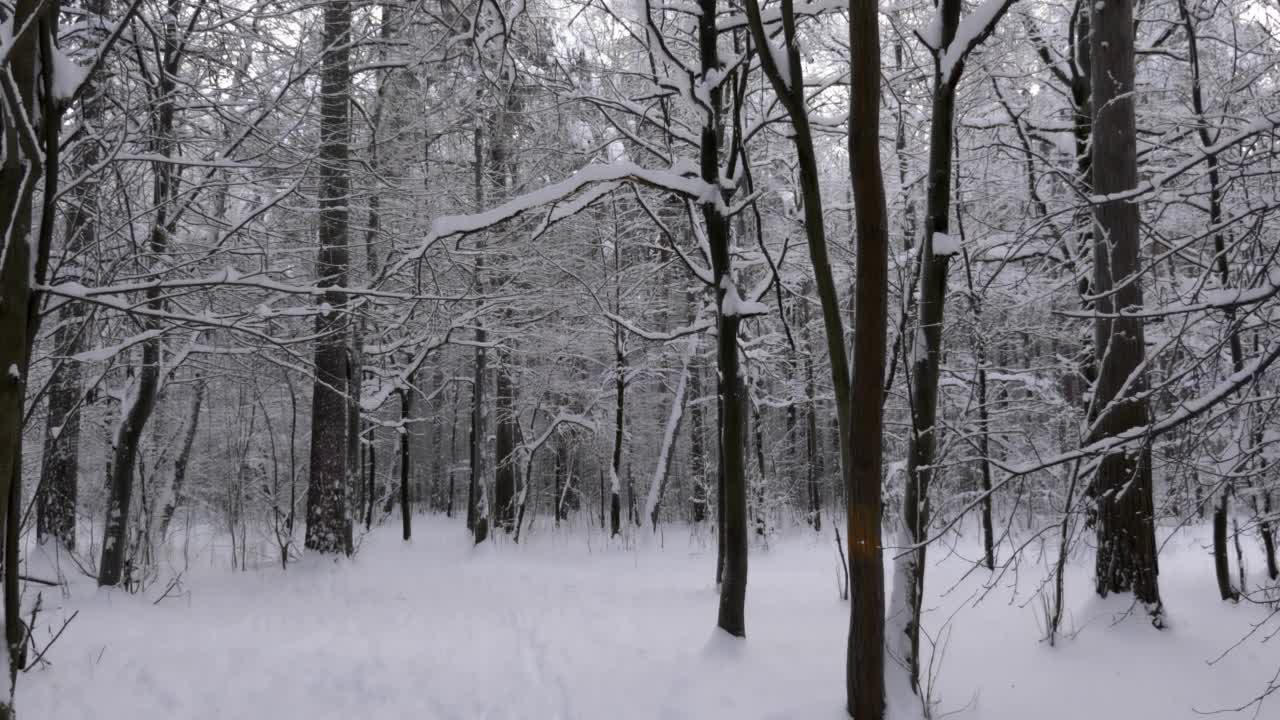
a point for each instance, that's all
(773, 15)
(668, 180)
(1186, 411)
(662, 468)
(699, 326)
(733, 305)
(1265, 123)
(972, 31)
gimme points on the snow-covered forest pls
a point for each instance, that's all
(640, 359)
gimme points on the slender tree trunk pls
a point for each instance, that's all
(504, 491)
(406, 508)
(697, 451)
(477, 501)
(619, 407)
(662, 469)
(177, 496)
(909, 569)
(138, 408)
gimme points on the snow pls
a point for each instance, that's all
(932, 33)
(67, 76)
(781, 60)
(734, 306)
(106, 353)
(944, 244)
(971, 27)
(569, 625)
(6, 34)
(620, 169)
(672, 428)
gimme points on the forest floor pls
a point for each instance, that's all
(566, 626)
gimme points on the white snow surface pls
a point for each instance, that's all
(944, 244)
(67, 76)
(570, 625)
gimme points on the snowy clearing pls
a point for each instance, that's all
(568, 626)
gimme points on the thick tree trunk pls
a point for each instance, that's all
(58, 489)
(1126, 557)
(19, 319)
(328, 526)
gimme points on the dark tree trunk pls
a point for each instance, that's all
(137, 412)
(921, 454)
(1221, 563)
(1126, 557)
(864, 666)
(815, 452)
(504, 486)
(619, 407)
(733, 485)
(371, 479)
(180, 464)
(477, 504)
(56, 501)
(327, 524)
(406, 508)
(561, 467)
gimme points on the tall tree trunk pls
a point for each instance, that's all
(1126, 556)
(59, 473)
(733, 490)
(138, 408)
(504, 487)
(937, 247)
(477, 500)
(864, 665)
(619, 413)
(815, 465)
(1207, 140)
(406, 509)
(328, 526)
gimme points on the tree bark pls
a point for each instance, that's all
(137, 409)
(1126, 556)
(177, 495)
(406, 507)
(328, 526)
(864, 667)
(59, 473)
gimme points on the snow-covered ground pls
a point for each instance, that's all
(568, 626)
